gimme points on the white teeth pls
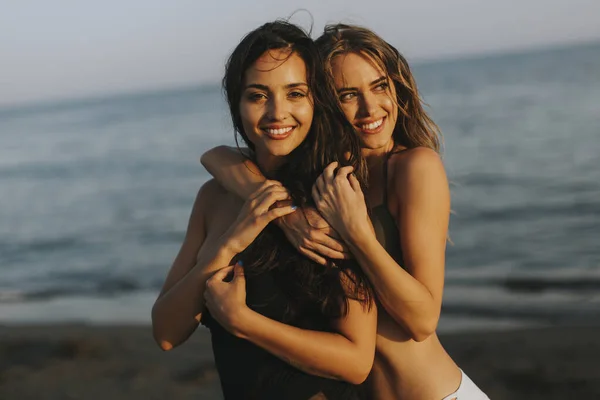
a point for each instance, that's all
(372, 125)
(280, 131)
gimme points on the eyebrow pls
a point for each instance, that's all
(266, 88)
(375, 82)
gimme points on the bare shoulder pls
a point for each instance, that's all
(208, 194)
(212, 190)
(211, 199)
(420, 162)
(418, 158)
(418, 171)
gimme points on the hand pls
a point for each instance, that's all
(226, 301)
(312, 236)
(258, 211)
(340, 200)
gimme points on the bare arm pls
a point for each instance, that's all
(178, 308)
(346, 354)
(307, 231)
(233, 169)
(411, 295)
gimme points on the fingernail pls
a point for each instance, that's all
(294, 207)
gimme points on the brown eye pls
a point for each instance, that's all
(347, 96)
(256, 96)
(382, 86)
(297, 95)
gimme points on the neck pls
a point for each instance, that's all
(375, 157)
(269, 163)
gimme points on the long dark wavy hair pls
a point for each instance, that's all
(414, 126)
(313, 290)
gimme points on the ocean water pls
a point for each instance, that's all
(95, 194)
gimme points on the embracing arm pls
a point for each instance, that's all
(179, 306)
(413, 295)
(307, 231)
(232, 169)
(346, 354)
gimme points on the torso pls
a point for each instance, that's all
(247, 371)
(403, 368)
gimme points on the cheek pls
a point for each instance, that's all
(248, 114)
(387, 102)
(392, 102)
(349, 110)
(304, 114)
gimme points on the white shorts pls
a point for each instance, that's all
(467, 390)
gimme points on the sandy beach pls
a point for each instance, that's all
(121, 362)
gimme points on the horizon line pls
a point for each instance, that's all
(92, 97)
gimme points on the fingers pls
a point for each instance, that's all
(264, 187)
(239, 278)
(220, 275)
(329, 172)
(278, 212)
(320, 185)
(326, 246)
(328, 252)
(313, 256)
(354, 183)
(342, 173)
(269, 198)
(316, 195)
(332, 233)
(328, 241)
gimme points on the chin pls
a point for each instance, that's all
(375, 141)
(280, 151)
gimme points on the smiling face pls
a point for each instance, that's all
(367, 97)
(276, 108)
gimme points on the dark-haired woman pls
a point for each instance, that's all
(283, 106)
(404, 257)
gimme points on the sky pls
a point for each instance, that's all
(64, 49)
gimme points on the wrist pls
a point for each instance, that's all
(228, 250)
(229, 246)
(241, 322)
(361, 236)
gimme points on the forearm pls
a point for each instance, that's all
(407, 300)
(177, 311)
(233, 170)
(325, 354)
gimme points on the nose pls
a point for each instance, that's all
(276, 109)
(367, 104)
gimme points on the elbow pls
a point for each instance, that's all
(360, 374)
(208, 155)
(163, 343)
(419, 325)
(362, 368)
(161, 339)
(359, 377)
(159, 335)
(424, 329)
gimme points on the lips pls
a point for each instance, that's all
(278, 133)
(372, 127)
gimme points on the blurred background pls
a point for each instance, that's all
(106, 107)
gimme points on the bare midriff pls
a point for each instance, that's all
(407, 369)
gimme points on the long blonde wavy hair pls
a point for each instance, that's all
(414, 127)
